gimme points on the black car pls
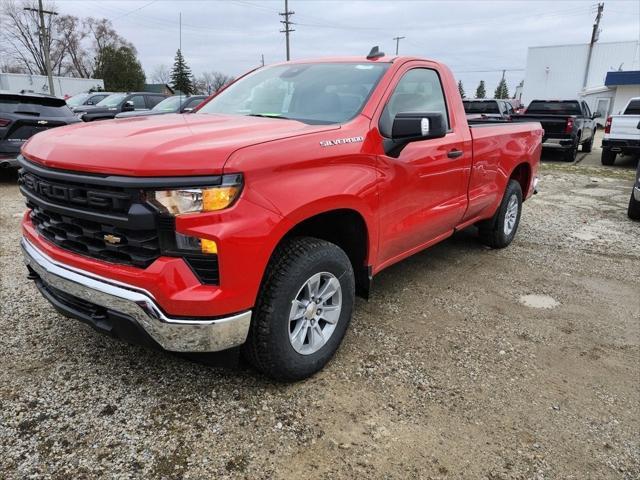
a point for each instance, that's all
(634, 201)
(22, 115)
(80, 99)
(567, 125)
(117, 103)
(175, 104)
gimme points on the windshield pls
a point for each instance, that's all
(77, 100)
(316, 93)
(112, 100)
(554, 108)
(171, 104)
(481, 107)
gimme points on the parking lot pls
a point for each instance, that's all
(466, 363)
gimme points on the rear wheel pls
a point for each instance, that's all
(499, 231)
(588, 145)
(607, 157)
(570, 155)
(634, 208)
(303, 310)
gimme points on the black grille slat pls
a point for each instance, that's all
(136, 247)
(205, 267)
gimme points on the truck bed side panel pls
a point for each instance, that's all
(497, 150)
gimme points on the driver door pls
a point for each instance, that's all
(423, 195)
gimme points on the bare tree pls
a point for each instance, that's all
(211, 82)
(20, 34)
(161, 74)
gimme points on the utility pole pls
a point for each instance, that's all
(44, 41)
(397, 39)
(595, 33)
(287, 25)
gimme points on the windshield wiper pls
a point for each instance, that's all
(266, 115)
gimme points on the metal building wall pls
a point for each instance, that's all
(558, 71)
(16, 82)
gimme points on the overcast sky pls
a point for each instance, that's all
(477, 39)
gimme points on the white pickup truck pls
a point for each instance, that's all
(622, 133)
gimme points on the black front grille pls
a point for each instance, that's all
(105, 242)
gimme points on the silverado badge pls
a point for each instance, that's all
(112, 239)
(340, 141)
(42, 122)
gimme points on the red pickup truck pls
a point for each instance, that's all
(254, 221)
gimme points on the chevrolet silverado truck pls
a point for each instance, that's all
(622, 133)
(567, 124)
(256, 220)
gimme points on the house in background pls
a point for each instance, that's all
(158, 88)
(559, 72)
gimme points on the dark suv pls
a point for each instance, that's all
(117, 103)
(22, 115)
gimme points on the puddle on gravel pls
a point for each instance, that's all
(538, 301)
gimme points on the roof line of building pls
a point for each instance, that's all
(584, 43)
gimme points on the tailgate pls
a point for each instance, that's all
(551, 124)
(625, 127)
(22, 129)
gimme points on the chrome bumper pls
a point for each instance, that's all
(178, 335)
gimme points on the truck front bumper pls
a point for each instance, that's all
(106, 304)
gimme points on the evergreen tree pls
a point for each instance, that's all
(481, 92)
(181, 75)
(502, 91)
(461, 88)
(120, 69)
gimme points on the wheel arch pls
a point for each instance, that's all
(521, 173)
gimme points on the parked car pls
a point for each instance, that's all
(81, 99)
(634, 201)
(488, 109)
(117, 103)
(622, 133)
(174, 104)
(254, 221)
(22, 115)
(567, 124)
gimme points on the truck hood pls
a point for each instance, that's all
(158, 145)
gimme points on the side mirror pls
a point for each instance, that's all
(596, 115)
(128, 106)
(409, 127)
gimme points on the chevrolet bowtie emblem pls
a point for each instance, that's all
(112, 239)
(42, 122)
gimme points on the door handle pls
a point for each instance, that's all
(455, 153)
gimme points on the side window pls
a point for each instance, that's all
(419, 90)
(193, 103)
(509, 108)
(153, 100)
(587, 112)
(138, 102)
(96, 98)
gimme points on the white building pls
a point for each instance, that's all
(15, 82)
(558, 72)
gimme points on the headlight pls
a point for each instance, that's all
(200, 199)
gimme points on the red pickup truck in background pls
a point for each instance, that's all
(256, 220)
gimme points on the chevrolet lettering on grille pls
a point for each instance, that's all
(75, 194)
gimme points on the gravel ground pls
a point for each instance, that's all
(521, 363)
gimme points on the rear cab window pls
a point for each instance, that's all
(554, 107)
(633, 108)
(472, 107)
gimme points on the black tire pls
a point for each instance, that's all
(268, 347)
(570, 154)
(608, 157)
(588, 146)
(492, 231)
(634, 208)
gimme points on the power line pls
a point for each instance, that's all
(287, 25)
(134, 10)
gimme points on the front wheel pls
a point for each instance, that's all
(500, 230)
(303, 310)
